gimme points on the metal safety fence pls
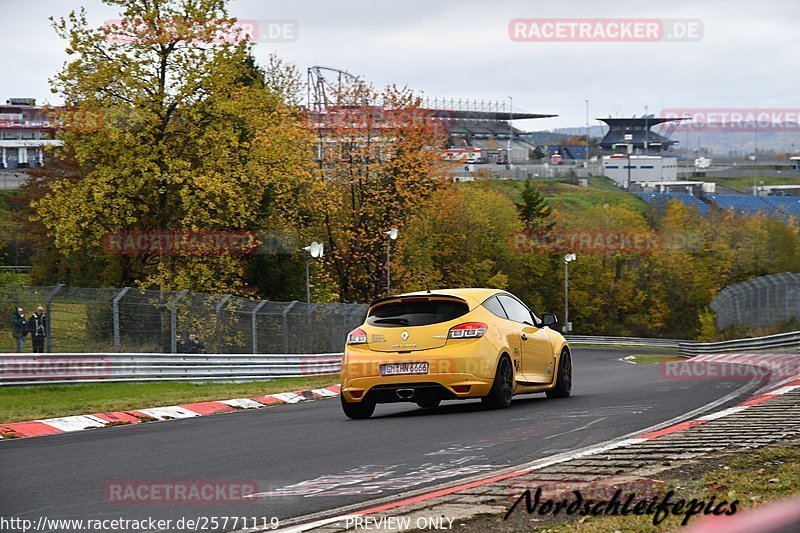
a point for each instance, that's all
(593, 340)
(759, 302)
(782, 342)
(85, 320)
(57, 368)
(53, 369)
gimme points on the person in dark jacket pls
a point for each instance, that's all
(37, 325)
(195, 345)
(19, 328)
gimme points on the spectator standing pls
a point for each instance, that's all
(195, 346)
(19, 328)
(37, 325)
(180, 345)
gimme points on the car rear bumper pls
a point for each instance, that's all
(410, 392)
(463, 369)
(415, 388)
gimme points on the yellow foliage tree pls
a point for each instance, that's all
(186, 136)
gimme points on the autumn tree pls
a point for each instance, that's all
(461, 238)
(190, 137)
(605, 292)
(378, 163)
(533, 209)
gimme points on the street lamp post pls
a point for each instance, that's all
(510, 128)
(628, 183)
(314, 250)
(629, 149)
(308, 282)
(755, 159)
(588, 133)
(687, 116)
(392, 234)
(567, 259)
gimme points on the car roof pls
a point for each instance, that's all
(474, 296)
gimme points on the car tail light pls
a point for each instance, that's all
(467, 330)
(357, 336)
(357, 393)
(462, 388)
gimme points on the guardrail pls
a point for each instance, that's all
(780, 342)
(50, 369)
(623, 341)
(61, 368)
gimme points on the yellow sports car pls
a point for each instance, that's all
(425, 347)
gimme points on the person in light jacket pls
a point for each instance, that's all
(37, 325)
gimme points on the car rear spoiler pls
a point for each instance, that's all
(417, 297)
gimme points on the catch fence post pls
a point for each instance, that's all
(285, 319)
(218, 315)
(115, 312)
(255, 324)
(173, 320)
(47, 310)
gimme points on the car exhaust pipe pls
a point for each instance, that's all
(405, 394)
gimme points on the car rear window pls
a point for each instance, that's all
(416, 313)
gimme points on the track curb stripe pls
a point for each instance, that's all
(53, 426)
(672, 429)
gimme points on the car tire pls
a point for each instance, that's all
(357, 411)
(429, 403)
(502, 387)
(563, 386)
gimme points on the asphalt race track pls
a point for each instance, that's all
(308, 457)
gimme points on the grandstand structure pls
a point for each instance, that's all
(760, 302)
(637, 132)
(484, 126)
(478, 129)
(750, 205)
(659, 200)
(742, 204)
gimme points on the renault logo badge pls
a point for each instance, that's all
(404, 335)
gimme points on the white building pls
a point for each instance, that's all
(25, 131)
(640, 169)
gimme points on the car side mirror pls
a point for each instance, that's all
(548, 319)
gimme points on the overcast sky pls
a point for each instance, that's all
(748, 56)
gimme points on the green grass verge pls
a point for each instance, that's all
(568, 197)
(753, 478)
(745, 184)
(651, 358)
(657, 349)
(19, 404)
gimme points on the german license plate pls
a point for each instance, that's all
(404, 368)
